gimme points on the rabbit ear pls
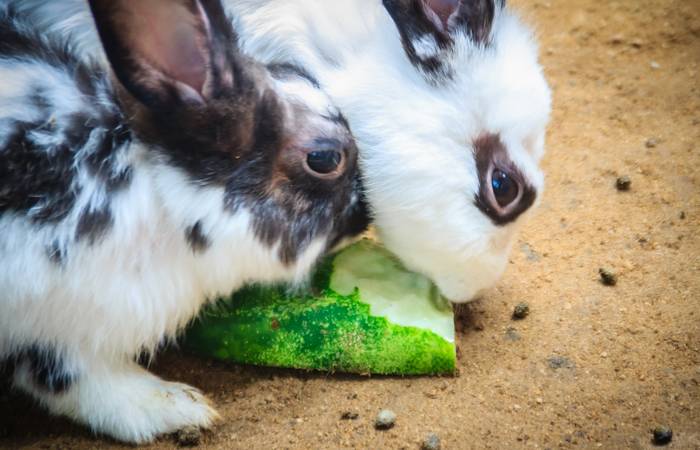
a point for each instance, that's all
(167, 52)
(443, 17)
(440, 11)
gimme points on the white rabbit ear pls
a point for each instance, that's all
(166, 51)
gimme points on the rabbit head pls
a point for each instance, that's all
(450, 150)
(448, 104)
(266, 135)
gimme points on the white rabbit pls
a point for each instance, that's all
(443, 98)
(127, 200)
(448, 104)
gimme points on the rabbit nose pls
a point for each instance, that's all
(326, 158)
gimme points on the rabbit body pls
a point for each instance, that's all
(120, 219)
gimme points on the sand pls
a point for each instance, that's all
(592, 365)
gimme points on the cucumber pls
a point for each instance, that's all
(364, 313)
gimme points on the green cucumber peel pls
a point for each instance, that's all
(368, 315)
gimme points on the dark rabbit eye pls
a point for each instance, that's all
(505, 192)
(324, 161)
(505, 189)
(326, 158)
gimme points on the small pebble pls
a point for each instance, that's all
(530, 253)
(654, 65)
(512, 334)
(560, 362)
(651, 142)
(623, 183)
(349, 415)
(617, 39)
(662, 435)
(385, 419)
(521, 311)
(189, 437)
(607, 277)
(431, 442)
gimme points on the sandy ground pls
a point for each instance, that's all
(628, 356)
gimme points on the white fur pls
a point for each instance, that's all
(426, 46)
(126, 401)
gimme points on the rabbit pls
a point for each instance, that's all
(131, 195)
(447, 102)
(449, 107)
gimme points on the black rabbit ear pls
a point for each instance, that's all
(444, 17)
(167, 52)
(476, 16)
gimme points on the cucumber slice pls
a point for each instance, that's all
(403, 297)
(370, 316)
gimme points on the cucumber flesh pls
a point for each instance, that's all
(403, 297)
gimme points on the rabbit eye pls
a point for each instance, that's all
(504, 193)
(505, 189)
(324, 162)
(324, 158)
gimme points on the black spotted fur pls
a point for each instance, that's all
(235, 141)
(473, 17)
